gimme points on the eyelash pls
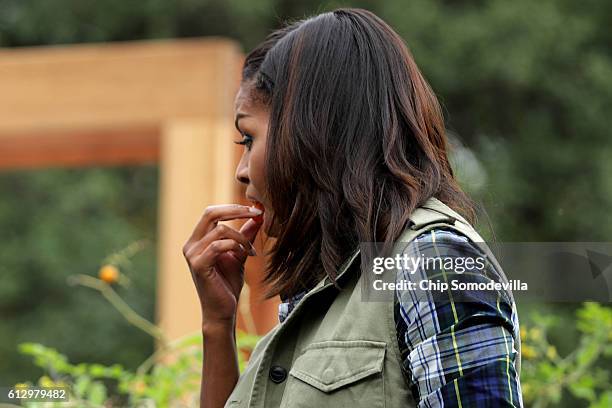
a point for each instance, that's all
(247, 141)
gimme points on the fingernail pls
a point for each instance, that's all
(255, 211)
(252, 251)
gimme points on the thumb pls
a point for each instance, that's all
(250, 229)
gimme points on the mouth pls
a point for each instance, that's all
(265, 219)
(257, 204)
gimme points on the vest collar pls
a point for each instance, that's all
(418, 218)
(341, 271)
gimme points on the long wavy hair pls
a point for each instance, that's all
(356, 142)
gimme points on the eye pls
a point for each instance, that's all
(247, 141)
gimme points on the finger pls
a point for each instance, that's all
(250, 229)
(227, 268)
(224, 212)
(221, 231)
(239, 257)
(208, 258)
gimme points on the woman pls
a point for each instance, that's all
(344, 143)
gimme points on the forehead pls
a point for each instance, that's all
(246, 102)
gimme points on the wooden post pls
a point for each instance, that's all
(192, 176)
(132, 103)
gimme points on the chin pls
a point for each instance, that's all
(270, 230)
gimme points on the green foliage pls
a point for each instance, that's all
(57, 223)
(584, 373)
(165, 384)
(96, 385)
(168, 377)
(528, 86)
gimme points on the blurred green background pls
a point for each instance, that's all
(526, 87)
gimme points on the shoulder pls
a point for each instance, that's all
(451, 340)
(442, 241)
(442, 263)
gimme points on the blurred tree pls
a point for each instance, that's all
(57, 223)
(528, 85)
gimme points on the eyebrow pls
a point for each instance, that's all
(239, 116)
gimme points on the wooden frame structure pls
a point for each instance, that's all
(169, 102)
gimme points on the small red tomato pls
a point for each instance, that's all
(259, 218)
(109, 274)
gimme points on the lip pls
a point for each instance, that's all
(253, 199)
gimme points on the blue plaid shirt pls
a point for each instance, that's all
(455, 353)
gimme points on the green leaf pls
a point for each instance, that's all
(587, 354)
(81, 386)
(604, 401)
(584, 388)
(97, 393)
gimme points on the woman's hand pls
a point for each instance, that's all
(216, 254)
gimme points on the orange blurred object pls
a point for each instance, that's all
(109, 274)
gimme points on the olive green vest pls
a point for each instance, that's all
(335, 350)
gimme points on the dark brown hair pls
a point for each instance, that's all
(356, 142)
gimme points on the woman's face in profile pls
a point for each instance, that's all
(252, 124)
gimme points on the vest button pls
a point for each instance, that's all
(328, 375)
(278, 374)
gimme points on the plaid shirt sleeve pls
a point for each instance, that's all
(456, 351)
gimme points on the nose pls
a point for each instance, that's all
(242, 171)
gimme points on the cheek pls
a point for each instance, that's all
(257, 168)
